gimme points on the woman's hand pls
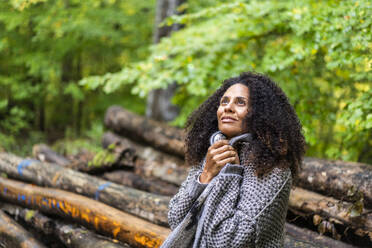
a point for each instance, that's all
(218, 155)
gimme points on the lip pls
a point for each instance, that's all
(228, 119)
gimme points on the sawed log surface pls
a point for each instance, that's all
(101, 217)
(14, 235)
(160, 135)
(149, 206)
(70, 235)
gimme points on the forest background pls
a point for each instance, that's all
(64, 62)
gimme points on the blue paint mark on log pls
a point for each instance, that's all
(23, 164)
(100, 188)
(5, 189)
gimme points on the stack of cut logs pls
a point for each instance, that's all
(119, 197)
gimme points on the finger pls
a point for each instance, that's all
(219, 143)
(222, 149)
(226, 154)
(223, 162)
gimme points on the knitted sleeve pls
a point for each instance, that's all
(239, 197)
(181, 203)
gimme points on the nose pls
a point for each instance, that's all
(229, 107)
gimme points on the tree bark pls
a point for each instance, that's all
(147, 184)
(145, 205)
(14, 235)
(159, 135)
(337, 178)
(159, 106)
(69, 234)
(101, 217)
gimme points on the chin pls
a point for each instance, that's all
(229, 133)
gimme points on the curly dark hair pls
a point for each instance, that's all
(272, 121)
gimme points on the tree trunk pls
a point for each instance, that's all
(159, 106)
(159, 135)
(69, 234)
(147, 184)
(14, 235)
(101, 217)
(146, 205)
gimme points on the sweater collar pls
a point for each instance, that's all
(246, 137)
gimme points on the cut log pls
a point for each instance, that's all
(168, 172)
(151, 162)
(114, 156)
(313, 239)
(312, 203)
(78, 237)
(44, 153)
(333, 178)
(101, 217)
(337, 178)
(69, 234)
(160, 135)
(147, 184)
(14, 235)
(149, 206)
(146, 152)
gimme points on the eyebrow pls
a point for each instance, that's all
(236, 97)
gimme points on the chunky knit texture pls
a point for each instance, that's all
(240, 210)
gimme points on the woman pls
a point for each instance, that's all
(246, 145)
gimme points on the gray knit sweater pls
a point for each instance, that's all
(236, 209)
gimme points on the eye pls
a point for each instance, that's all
(224, 101)
(240, 101)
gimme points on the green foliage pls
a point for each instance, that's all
(46, 47)
(319, 52)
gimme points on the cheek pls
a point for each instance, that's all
(219, 112)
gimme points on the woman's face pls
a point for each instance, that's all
(233, 109)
